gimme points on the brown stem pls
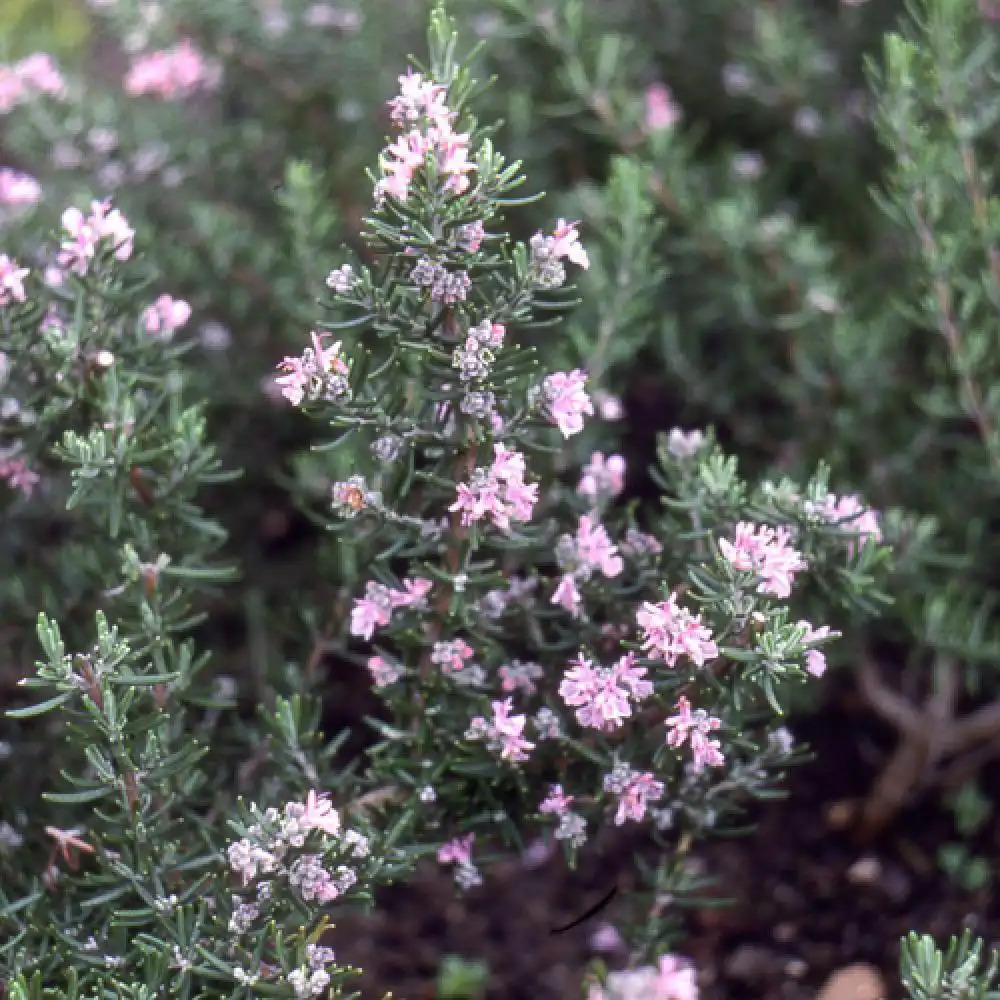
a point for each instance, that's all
(926, 737)
(886, 702)
(977, 727)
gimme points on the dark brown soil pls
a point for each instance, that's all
(807, 898)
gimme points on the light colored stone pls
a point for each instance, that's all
(865, 871)
(854, 982)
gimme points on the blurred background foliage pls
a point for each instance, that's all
(61, 27)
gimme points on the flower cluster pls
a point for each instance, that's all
(312, 979)
(695, 727)
(766, 552)
(452, 655)
(422, 108)
(86, 233)
(166, 315)
(17, 189)
(603, 477)
(661, 111)
(474, 358)
(518, 676)
(572, 826)
(375, 609)
(319, 373)
(458, 852)
(634, 789)
(670, 632)
(20, 81)
(603, 696)
(684, 444)
(273, 849)
(850, 516)
(672, 979)
(17, 474)
(815, 658)
(581, 555)
(11, 281)
(504, 733)
(172, 74)
(383, 671)
(548, 253)
(445, 286)
(498, 493)
(342, 279)
(566, 402)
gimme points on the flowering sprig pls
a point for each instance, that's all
(692, 617)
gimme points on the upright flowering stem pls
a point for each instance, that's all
(552, 643)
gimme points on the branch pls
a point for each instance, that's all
(886, 703)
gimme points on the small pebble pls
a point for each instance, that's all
(784, 932)
(865, 871)
(796, 968)
(751, 963)
(839, 815)
(854, 982)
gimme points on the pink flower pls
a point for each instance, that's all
(17, 473)
(319, 814)
(635, 790)
(457, 851)
(12, 89)
(695, 726)
(498, 493)
(471, 236)
(765, 551)
(603, 695)
(815, 659)
(85, 234)
(413, 593)
(383, 672)
(509, 731)
(602, 478)
(671, 632)
(566, 401)
(606, 939)
(567, 596)
(684, 444)
(11, 281)
(36, 74)
(419, 97)
(39, 72)
(452, 656)
(609, 407)
(676, 979)
(18, 190)
(321, 372)
(518, 676)
(556, 801)
(166, 315)
(508, 464)
(172, 74)
(594, 548)
(661, 111)
(850, 515)
(421, 107)
(372, 611)
(567, 244)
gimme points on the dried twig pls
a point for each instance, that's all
(929, 735)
